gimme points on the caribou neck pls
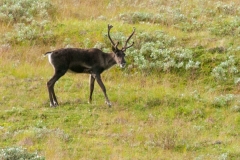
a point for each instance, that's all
(110, 61)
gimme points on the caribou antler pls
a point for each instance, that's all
(125, 46)
(115, 45)
(109, 28)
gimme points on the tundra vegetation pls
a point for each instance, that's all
(177, 98)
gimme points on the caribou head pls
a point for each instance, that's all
(119, 53)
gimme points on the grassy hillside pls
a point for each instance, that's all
(178, 97)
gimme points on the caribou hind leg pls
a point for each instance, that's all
(91, 83)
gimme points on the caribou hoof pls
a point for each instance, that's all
(108, 103)
(55, 104)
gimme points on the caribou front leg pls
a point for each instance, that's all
(99, 80)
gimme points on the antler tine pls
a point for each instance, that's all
(109, 28)
(125, 46)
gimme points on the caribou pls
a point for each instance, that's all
(90, 61)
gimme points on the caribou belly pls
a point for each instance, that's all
(80, 69)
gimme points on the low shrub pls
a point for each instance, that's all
(36, 32)
(13, 153)
(226, 70)
(25, 11)
(159, 51)
(224, 100)
(30, 18)
(166, 16)
(222, 27)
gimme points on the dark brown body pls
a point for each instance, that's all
(82, 60)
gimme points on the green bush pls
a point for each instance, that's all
(14, 153)
(35, 32)
(226, 27)
(159, 51)
(165, 17)
(226, 70)
(31, 21)
(25, 11)
(224, 100)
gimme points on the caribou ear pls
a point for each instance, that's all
(114, 49)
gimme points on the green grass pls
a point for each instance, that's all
(148, 120)
(156, 114)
